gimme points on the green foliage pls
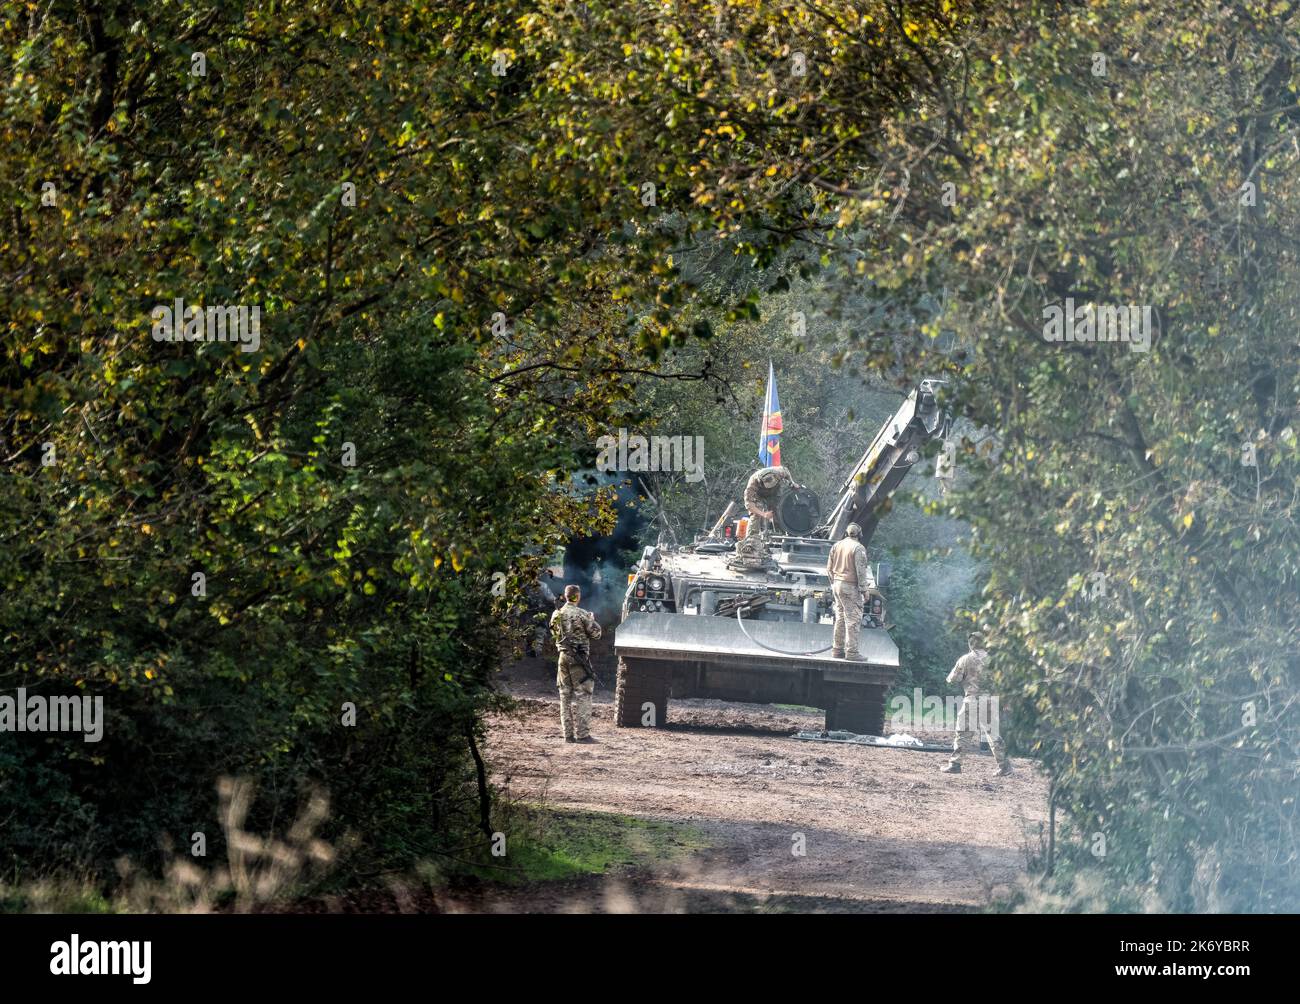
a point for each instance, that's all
(551, 845)
(928, 643)
(132, 179)
(1164, 710)
(950, 167)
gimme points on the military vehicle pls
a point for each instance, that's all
(745, 616)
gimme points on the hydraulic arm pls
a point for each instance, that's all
(897, 446)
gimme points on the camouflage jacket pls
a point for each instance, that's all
(759, 499)
(968, 670)
(573, 628)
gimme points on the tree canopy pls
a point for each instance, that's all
(474, 233)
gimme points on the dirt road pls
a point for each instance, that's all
(880, 830)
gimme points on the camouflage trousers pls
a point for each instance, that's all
(575, 696)
(967, 725)
(750, 552)
(848, 616)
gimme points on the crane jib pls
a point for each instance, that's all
(893, 452)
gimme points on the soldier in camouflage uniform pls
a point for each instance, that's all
(762, 492)
(574, 629)
(967, 672)
(751, 554)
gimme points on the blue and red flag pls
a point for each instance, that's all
(769, 440)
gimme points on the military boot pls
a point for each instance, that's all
(855, 656)
(952, 768)
(837, 653)
(1006, 769)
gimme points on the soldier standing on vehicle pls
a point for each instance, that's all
(967, 672)
(574, 629)
(761, 494)
(849, 574)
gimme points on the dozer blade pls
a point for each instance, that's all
(781, 645)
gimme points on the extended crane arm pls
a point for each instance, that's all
(897, 446)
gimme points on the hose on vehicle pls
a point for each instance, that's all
(779, 651)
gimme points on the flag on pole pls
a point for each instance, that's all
(769, 440)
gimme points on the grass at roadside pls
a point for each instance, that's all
(536, 845)
(545, 845)
(56, 894)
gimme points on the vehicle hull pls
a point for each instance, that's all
(664, 654)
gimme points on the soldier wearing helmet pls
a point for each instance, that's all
(763, 493)
(850, 577)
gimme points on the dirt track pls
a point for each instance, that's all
(883, 830)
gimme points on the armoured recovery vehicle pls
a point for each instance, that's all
(749, 617)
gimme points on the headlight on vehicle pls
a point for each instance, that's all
(656, 584)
